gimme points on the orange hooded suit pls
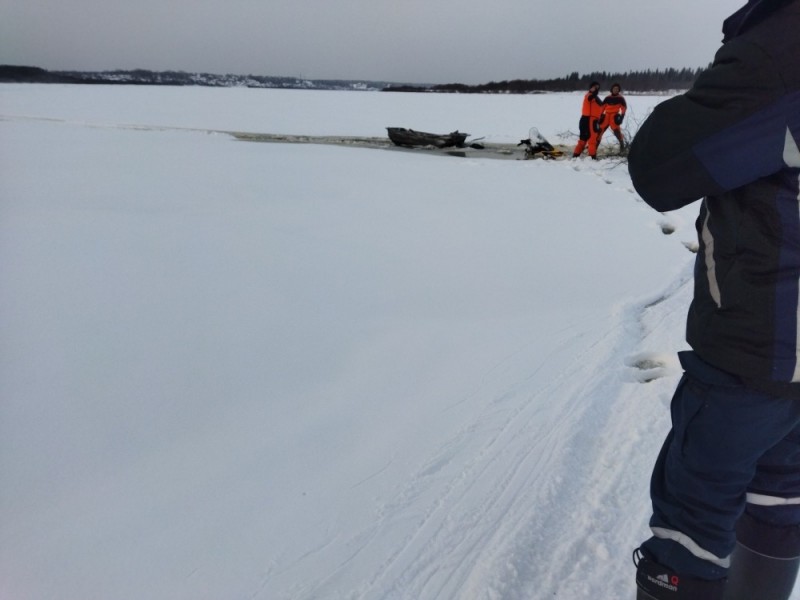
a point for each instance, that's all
(591, 111)
(614, 107)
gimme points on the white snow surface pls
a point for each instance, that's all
(238, 370)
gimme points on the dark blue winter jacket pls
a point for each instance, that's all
(733, 140)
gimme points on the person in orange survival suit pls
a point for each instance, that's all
(591, 111)
(614, 107)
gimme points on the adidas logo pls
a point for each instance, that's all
(665, 581)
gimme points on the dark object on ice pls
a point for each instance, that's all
(408, 137)
(537, 144)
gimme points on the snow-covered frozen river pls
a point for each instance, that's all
(269, 371)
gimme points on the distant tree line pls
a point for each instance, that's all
(24, 74)
(17, 74)
(632, 81)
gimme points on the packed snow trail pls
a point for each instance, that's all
(485, 516)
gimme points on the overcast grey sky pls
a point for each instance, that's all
(417, 41)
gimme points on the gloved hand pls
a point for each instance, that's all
(618, 118)
(596, 125)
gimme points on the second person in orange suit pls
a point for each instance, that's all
(614, 107)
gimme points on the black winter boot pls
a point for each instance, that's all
(621, 140)
(755, 576)
(765, 562)
(655, 582)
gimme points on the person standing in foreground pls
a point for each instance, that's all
(614, 107)
(590, 111)
(726, 486)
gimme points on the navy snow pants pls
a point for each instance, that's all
(732, 456)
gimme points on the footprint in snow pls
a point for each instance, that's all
(649, 366)
(667, 227)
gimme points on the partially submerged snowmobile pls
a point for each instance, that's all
(537, 144)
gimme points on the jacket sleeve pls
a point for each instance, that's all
(727, 131)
